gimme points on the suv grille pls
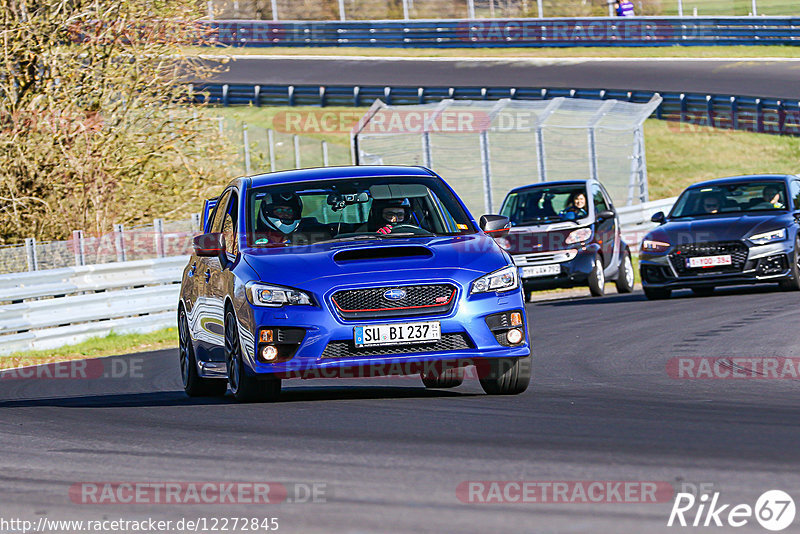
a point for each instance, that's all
(448, 343)
(736, 249)
(418, 300)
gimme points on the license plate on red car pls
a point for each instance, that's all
(397, 333)
(709, 261)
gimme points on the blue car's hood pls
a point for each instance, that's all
(724, 227)
(323, 266)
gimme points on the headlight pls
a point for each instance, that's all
(274, 296)
(579, 236)
(648, 245)
(769, 237)
(504, 279)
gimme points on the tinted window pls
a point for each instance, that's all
(219, 212)
(544, 204)
(599, 200)
(731, 198)
(230, 224)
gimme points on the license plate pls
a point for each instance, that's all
(393, 334)
(540, 270)
(709, 261)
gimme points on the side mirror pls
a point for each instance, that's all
(605, 214)
(658, 217)
(208, 245)
(495, 225)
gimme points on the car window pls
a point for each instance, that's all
(599, 200)
(794, 193)
(541, 204)
(219, 212)
(229, 226)
(762, 195)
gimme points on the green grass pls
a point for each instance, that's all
(98, 347)
(527, 52)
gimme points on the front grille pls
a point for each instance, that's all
(371, 302)
(347, 349)
(736, 249)
(544, 258)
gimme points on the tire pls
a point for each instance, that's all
(193, 384)
(625, 276)
(506, 376)
(450, 378)
(793, 284)
(245, 388)
(703, 291)
(597, 279)
(657, 294)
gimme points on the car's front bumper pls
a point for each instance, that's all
(573, 272)
(324, 328)
(764, 264)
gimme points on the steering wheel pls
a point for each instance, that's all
(416, 230)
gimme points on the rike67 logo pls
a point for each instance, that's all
(774, 510)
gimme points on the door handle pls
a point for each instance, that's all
(208, 275)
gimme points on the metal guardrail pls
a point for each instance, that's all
(691, 110)
(508, 33)
(48, 309)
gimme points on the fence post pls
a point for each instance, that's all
(755, 8)
(471, 9)
(325, 161)
(119, 242)
(196, 222)
(78, 248)
(540, 152)
(246, 150)
(405, 9)
(486, 171)
(30, 253)
(680, 8)
(598, 116)
(342, 14)
(271, 142)
(210, 6)
(158, 237)
(540, 8)
(296, 151)
(274, 5)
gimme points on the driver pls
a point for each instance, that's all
(390, 213)
(278, 217)
(576, 204)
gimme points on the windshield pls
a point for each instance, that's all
(546, 204)
(731, 198)
(307, 213)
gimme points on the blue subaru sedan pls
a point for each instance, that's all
(349, 272)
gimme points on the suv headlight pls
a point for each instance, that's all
(649, 245)
(274, 296)
(578, 236)
(504, 279)
(768, 237)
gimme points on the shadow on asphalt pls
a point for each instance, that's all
(678, 294)
(178, 398)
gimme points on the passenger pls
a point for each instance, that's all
(576, 204)
(771, 197)
(278, 217)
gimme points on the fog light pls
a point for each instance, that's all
(265, 336)
(514, 336)
(516, 318)
(269, 353)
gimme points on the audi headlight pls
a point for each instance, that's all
(579, 236)
(649, 245)
(769, 237)
(274, 296)
(504, 279)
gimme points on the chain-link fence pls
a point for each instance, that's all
(484, 149)
(477, 9)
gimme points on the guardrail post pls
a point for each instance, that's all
(271, 142)
(119, 242)
(78, 248)
(486, 171)
(683, 107)
(734, 113)
(296, 140)
(781, 118)
(225, 88)
(290, 95)
(709, 111)
(759, 115)
(257, 96)
(246, 142)
(325, 162)
(30, 254)
(158, 237)
(356, 96)
(322, 96)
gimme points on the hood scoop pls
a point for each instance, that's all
(381, 253)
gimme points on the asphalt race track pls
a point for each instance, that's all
(757, 77)
(391, 454)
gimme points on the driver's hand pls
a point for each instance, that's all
(386, 229)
